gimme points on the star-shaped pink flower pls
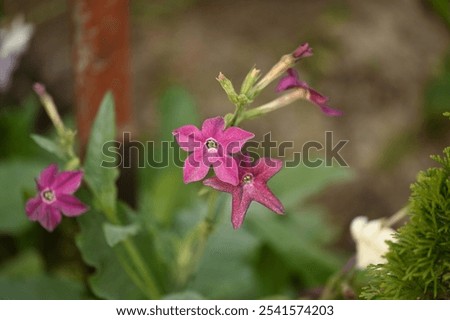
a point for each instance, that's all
(252, 187)
(211, 146)
(292, 81)
(55, 197)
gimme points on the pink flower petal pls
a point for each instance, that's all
(69, 205)
(240, 204)
(302, 51)
(189, 137)
(330, 111)
(234, 138)
(291, 81)
(47, 177)
(195, 168)
(33, 208)
(218, 184)
(227, 170)
(265, 197)
(317, 97)
(213, 127)
(67, 182)
(266, 168)
(51, 218)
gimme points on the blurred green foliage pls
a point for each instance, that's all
(442, 7)
(437, 98)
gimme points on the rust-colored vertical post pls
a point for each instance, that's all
(101, 52)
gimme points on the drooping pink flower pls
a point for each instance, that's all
(303, 51)
(211, 146)
(55, 197)
(252, 187)
(292, 81)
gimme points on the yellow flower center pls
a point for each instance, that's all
(211, 144)
(48, 195)
(247, 178)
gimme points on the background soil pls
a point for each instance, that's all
(372, 58)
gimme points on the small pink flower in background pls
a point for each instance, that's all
(302, 51)
(55, 197)
(252, 187)
(211, 146)
(292, 81)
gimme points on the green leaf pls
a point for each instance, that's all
(293, 185)
(297, 240)
(40, 288)
(101, 180)
(225, 271)
(15, 125)
(16, 177)
(186, 295)
(49, 145)
(27, 263)
(176, 108)
(111, 280)
(117, 233)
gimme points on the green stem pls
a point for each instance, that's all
(145, 275)
(278, 103)
(194, 246)
(135, 256)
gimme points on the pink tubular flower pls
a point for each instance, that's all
(302, 51)
(292, 81)
(55, 197)
(211, 146)
(252, 187)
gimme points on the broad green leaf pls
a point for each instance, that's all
(117, 233)
(27, 263)
(295, 238)
(167, 195)
(111, 280)
(293, 185)
(40, 288)
(48, 145)
(101, 180)
(16, 177)
(225, 271)
(176, 108)
(186, 295)
(15, 125)
(437, 93)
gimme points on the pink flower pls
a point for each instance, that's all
(211, 146)
(302, 51)
(252, 187)
(55, 197)
(292, 81)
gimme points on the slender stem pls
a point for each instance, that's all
(278, 103)
(135, 277)
(145, 275)
(286, 62)
(50, 108)
(396, 217)
(135, 256)
(194, 246)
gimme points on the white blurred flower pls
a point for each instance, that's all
(370, 238)
(13, 43)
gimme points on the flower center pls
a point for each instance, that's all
(48, 196)
(248, 178)
(211, 144)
